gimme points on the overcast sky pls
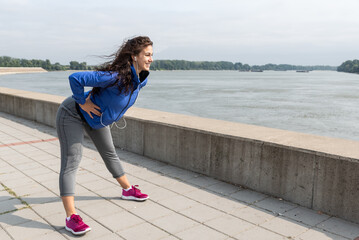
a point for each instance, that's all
(303, 32)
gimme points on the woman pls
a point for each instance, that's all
(116, 85)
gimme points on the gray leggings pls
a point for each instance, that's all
(70, 130)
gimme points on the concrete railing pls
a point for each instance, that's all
(316, 172)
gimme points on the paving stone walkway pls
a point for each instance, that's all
(182, 204)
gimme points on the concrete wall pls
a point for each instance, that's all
(317, 172)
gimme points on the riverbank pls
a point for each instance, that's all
(15, 70)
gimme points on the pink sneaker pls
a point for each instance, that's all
(134, 194)
(76, 225)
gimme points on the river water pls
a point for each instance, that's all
(319, 102)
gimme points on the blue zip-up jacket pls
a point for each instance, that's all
(112, 102)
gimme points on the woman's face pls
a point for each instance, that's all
(144, 59)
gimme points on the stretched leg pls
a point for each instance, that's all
(70, 132)
(102, 139)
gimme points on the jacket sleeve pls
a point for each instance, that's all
(80, 80)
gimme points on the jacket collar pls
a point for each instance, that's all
(143, 75)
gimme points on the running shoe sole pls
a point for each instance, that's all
(77, 233)
(134, 198)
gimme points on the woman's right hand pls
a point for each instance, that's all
(90, 107)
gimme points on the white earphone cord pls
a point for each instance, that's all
(138, 75)
(124, 126)
(114, 123)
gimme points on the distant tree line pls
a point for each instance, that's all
(165, 65)
(79, 66)
(349, 66)
(223, 65)
(288, 67)
(197, 65)
(6, 61)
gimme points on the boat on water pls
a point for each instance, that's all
(303, 71)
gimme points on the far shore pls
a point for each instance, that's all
(15, 70)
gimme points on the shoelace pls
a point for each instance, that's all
(77, 219)
(137, 190)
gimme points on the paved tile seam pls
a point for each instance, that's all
(30, 220)
(77, 207)
(332, 233)
(104, 198)
(28, 142)
(199, 222)
(140, 216)
(226, 196)
(316, 225)
(6, 232)
(161, 204)
(36, 141)
(252, 204)
(31, 142)
(174, 211)
(33, 178)
(16, 137)
(277, 214)
(33, 134)
(96, 220)
(125, 210)
(186, 215)
(26, 206)
(197, 202)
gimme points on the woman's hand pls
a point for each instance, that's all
(90, 107)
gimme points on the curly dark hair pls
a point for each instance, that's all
(122, 61)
